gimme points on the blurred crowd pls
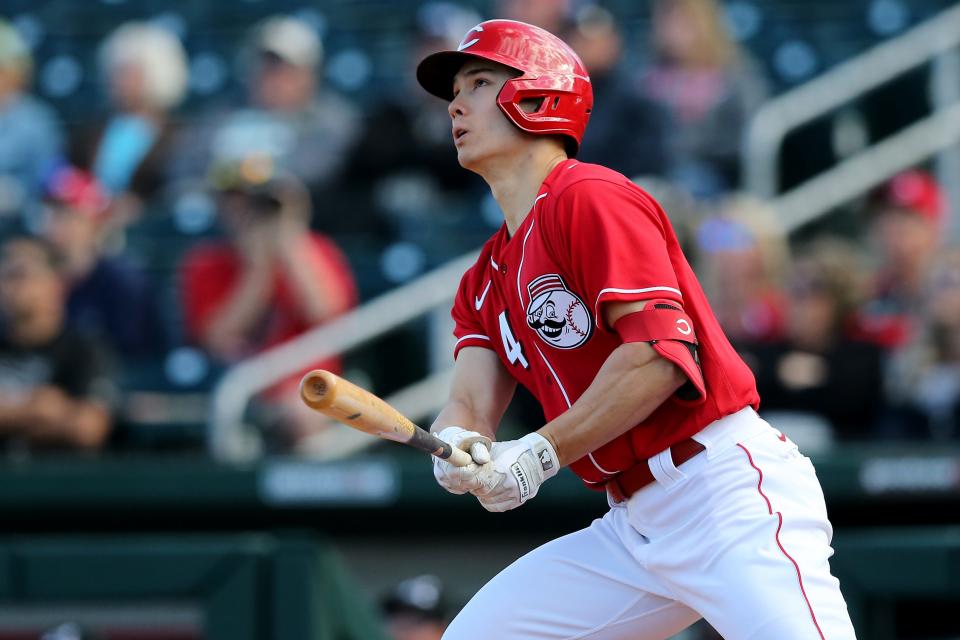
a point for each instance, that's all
(160, 238)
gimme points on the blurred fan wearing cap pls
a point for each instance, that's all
(416, 609)
(269, 280)
(300, 123)
(108, 295)
(288, 54)
(32, 140)
(906, 217)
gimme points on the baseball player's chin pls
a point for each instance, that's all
(467, 158)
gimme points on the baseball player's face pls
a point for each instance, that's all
(481, 132)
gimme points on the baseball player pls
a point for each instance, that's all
(584, 297)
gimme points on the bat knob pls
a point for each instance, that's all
(317, 388)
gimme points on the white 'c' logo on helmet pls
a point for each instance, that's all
(684, 327)
(465, 44)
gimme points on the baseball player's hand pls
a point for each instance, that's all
(462, 479)
(515, 473)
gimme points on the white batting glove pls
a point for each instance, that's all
(460, 480)
(516, 472)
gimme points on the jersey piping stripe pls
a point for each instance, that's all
(596, 306)
(555, 376)
(523, 251)
(473, 335)
(543, 357)
(494, 263)
(567, 400)
(777, 536)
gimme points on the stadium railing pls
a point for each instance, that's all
(934, 40)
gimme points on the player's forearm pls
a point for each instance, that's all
(630, 385)
(462, 414)
(479, 393)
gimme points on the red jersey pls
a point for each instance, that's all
(536, 299)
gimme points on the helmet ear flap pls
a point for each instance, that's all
(561, 108)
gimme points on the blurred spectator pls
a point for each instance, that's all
(145, 68)
(108, 296)
(304, 127)
(416, 609)
(270, 280)
(709, 87)
(627, 131)
(923, 380)
(404, 163)
(552, 15)
(742, 255)
(817, 368)
(55, 386)
(30, 137)
(906, 220)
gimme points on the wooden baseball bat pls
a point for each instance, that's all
(344, 401)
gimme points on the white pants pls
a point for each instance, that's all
(737, 535)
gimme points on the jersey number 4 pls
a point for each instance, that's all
(511, 346)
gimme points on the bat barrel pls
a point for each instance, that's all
(355, 407)
(318, 389)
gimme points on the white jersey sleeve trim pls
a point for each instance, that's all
(473, 335)
(597, 465)
(596, 306)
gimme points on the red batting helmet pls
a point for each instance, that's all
(549, 69)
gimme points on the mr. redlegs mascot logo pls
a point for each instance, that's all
(557, 314)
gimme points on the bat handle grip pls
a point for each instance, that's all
(458, 457)
(454, 455)
(479, 450)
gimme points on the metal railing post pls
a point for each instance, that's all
(839, 85)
